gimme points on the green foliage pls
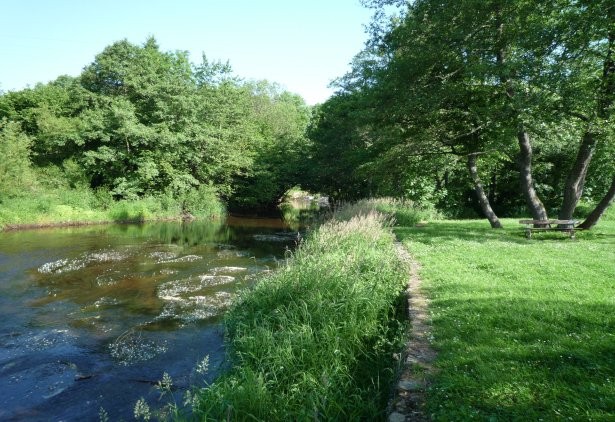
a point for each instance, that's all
(405, 212)
(444, 79)
(139, 123)
(315, 339)
(82, 206)
(523, 328)
(281, 120)
(15, 169)
(202, 202)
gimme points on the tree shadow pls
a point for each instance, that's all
(524, 359)
(438, 232)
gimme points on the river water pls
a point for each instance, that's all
(92, 317)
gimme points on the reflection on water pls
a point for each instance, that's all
(304, 212)
(91, 317)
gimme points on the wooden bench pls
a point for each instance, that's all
(548, 225)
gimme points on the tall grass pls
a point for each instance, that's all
(78, 206)
(315, 340)
(401, 212)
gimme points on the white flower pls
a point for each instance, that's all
(142, 410)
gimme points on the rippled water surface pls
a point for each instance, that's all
(92, 317)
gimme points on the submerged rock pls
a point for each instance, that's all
(278, 237)
(68, 265)
(186, 258)
(179, 289)
(217, 270)
(133, 346)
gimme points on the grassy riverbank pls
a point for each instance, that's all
(315, 339)
(74, 207)
(524, 329)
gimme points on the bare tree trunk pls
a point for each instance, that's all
(527, 183)
(576, 178)
(480, 193)
(602, 206)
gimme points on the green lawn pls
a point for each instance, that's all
(524, 329)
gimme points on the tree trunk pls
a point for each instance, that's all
(525, 146)
(602, 206)
(576, 178)
(480, 193)
(527, 183)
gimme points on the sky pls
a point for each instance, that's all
(301, 44)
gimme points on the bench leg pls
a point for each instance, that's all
(528, 233)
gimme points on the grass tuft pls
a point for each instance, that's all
(399, 211)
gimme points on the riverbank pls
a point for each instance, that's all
(317, 338)
(520, 326)
(84, 208)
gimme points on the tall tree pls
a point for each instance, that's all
(586, 85)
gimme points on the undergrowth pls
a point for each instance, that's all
(77, 206)
(400, 211)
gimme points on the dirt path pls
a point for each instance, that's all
(408, 401)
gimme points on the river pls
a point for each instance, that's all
(91, 317)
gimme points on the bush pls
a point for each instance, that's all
(45, 206)
(202, 202)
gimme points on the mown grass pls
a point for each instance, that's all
(315, 339)
(524, 329)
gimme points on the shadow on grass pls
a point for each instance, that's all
(479, 231)
(524, 359)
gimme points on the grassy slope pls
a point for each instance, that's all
(525, 329)
(80, 207)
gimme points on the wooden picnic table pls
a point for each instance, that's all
(548, 225)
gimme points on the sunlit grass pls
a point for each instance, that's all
(524, 329)
(85, 206)
(315, 340)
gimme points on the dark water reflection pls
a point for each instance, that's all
(91, 317)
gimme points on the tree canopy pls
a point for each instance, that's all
(139, 121)
(499, 103)
(489, 107)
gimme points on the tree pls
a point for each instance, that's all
(581, 73)
(15, 167)
(490, 78)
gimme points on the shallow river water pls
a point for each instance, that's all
(92, 317)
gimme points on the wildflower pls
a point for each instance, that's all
(203, 366)
(166, 383)
(142, 410)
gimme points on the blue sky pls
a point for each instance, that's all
(301, 44)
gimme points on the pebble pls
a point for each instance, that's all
(409, 385)
(396, 417)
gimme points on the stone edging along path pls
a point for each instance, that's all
(408, 401)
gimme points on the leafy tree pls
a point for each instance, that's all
(15, 167)
(499, 80)
(280, 119)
